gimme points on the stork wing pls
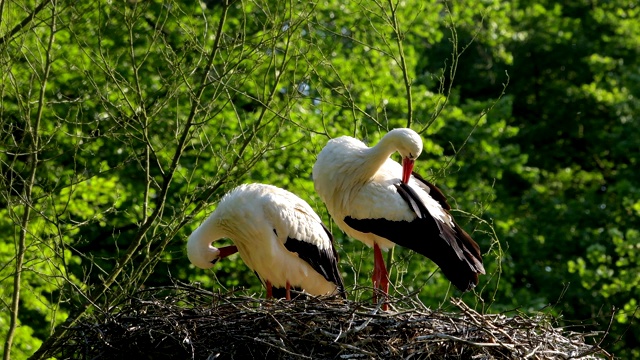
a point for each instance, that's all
(309, 242)
(435, 236)
(457, 238)
(435, 193)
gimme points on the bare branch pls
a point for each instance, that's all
(33, 132)
(19, 27)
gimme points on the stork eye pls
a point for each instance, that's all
(275, 232)
(215, 260)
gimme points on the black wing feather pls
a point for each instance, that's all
(418, 207)
(435, 193)
(325, 262)
(453, 251)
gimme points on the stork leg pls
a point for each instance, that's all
(380, 276)
(269, 290)
(288, 289)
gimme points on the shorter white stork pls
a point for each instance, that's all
(381, 203)
(278, 236)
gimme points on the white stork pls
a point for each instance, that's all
(382, 203)
(278, 236)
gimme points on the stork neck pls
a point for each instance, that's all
(201, 239)
(376, 156)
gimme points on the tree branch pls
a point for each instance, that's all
(28, 190)
(403, 62)
(24, 21)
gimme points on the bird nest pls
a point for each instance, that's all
(184, 322)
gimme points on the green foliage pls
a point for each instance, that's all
(122, 124)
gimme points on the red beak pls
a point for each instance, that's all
(407, 169)
(227, 250)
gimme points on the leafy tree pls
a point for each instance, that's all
(122, 124)
(565, 207)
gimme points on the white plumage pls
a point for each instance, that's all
(382, 203)
(277, 234)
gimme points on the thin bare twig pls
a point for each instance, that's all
(19, 27)
(33, 131)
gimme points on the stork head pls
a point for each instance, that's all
(200, 251)
(207, 257)
(409, 144)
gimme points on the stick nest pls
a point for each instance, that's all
(184, 322)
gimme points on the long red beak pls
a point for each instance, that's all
(227, 250)
(407, 169)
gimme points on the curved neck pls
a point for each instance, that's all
(376, 156)
(199, 248)
(210, 231)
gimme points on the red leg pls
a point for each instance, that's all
(288, 288)
(375, 277)
(380, 275)
(269, 290)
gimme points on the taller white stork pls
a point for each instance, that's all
(382, 203)
(278, 236)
